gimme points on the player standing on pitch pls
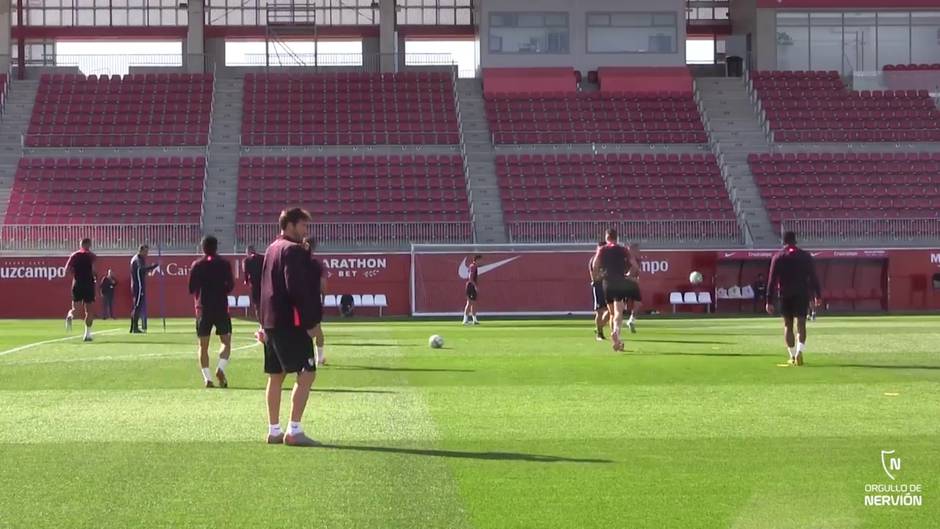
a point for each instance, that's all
(289, 315)
(81, 265)
(317, 280)
(251, 270)
(793, 280)
(139, 271)
(472, 291)
(210, 282)
(601, 313)
(619, 269)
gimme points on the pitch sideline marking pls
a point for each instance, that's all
(37, 344)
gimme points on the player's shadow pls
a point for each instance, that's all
(875, 366)
(685, 353)
(489, 456)
(681, 342)
(366, 344)
(401, 369)
(324, 390)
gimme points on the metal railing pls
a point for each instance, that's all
(117, 64)
(897, 80)
(665, 231)
(826, 230)
(263, 139)
(22, 237)
(352, 234)
(139, 139)
(365, 62)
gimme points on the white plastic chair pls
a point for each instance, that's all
(690, 298)
(705, 298)
(675, 298)
(381, 302)
(329, 301)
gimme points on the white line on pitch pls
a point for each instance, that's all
(36, 344)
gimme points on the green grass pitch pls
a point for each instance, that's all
(514, 424)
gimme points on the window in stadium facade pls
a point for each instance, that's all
(632, 32)
(319, 12)
(100, 13)
(856, 40)
(529, 32)
(434, 12)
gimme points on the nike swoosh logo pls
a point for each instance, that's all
(464, 271)
(731, 254)
(814, 254)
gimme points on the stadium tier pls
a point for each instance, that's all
(356, 199)
(51, 191)
(171, 109)
(818, 107)
(849, 186)
(350, 109)
(553, 197)
(589, 117)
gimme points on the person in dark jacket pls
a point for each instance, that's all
(108, 286)
(210, 283)
(139, 271)
(290, 313)
(792, 280)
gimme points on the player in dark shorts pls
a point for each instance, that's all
(290, 313)
(634, 303)
(210, 282)
(619, 269)
(472, 291)
(251, 271)
(81, 265)
(793, 281)
(317, 280)
(600, 302)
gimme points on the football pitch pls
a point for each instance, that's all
(514, 424)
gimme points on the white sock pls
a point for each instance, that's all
(465, 318)
(792, 352)
(274, 429)
(87, 331)
(293, 428)
(223, 363)
(205, 374)
(322, 352)
(475, 318)
(631, 319)
(800, 347)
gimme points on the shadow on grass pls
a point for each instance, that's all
(366, 344)
(323, 390)
(489, 456)
(873, 366)
(730, 355)
(400, 369)
(681, 342)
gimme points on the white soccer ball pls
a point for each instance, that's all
(696, 278)
(436, 342)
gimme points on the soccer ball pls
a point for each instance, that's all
(696, 278)
(436, 342)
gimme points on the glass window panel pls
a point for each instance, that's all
(930, 18)
(86, 17)
(119, 17)
(135, 3)
(233, 17)
(530, 20)
(793, 48)
(894, 45)
(464, 17)
(632, 40)
(53, 17)
(826, 53)
(925, 44)
(825, 19)
(893, 19)
(721, 13)
(631, 19)
(85, 3)
(153, 17)
(135, 17)
(447, 17)
(102, 17)
(528, 40)
(414, 16)
(664, 19)
(556, 19)
(859, 48)
(792, 19)
(859, 19)
(598, 19)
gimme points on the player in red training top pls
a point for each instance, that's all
(81, 265)
(619, 270)
(210, 282)
(472, 291)
(793, 281)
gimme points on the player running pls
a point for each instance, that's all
(619, 269)
(210, 282)
(81, 265)
(318, 280)
(251, 270)
(472, 291)
(289, 314)
(634, 303)
(601, 314)
(793, 279)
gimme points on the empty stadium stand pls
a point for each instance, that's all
(52, 191)
(569, 197)
(350, 109)
(357, 199)
(815, 106)
(499, 82)
(171, 109)
(864, 194)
